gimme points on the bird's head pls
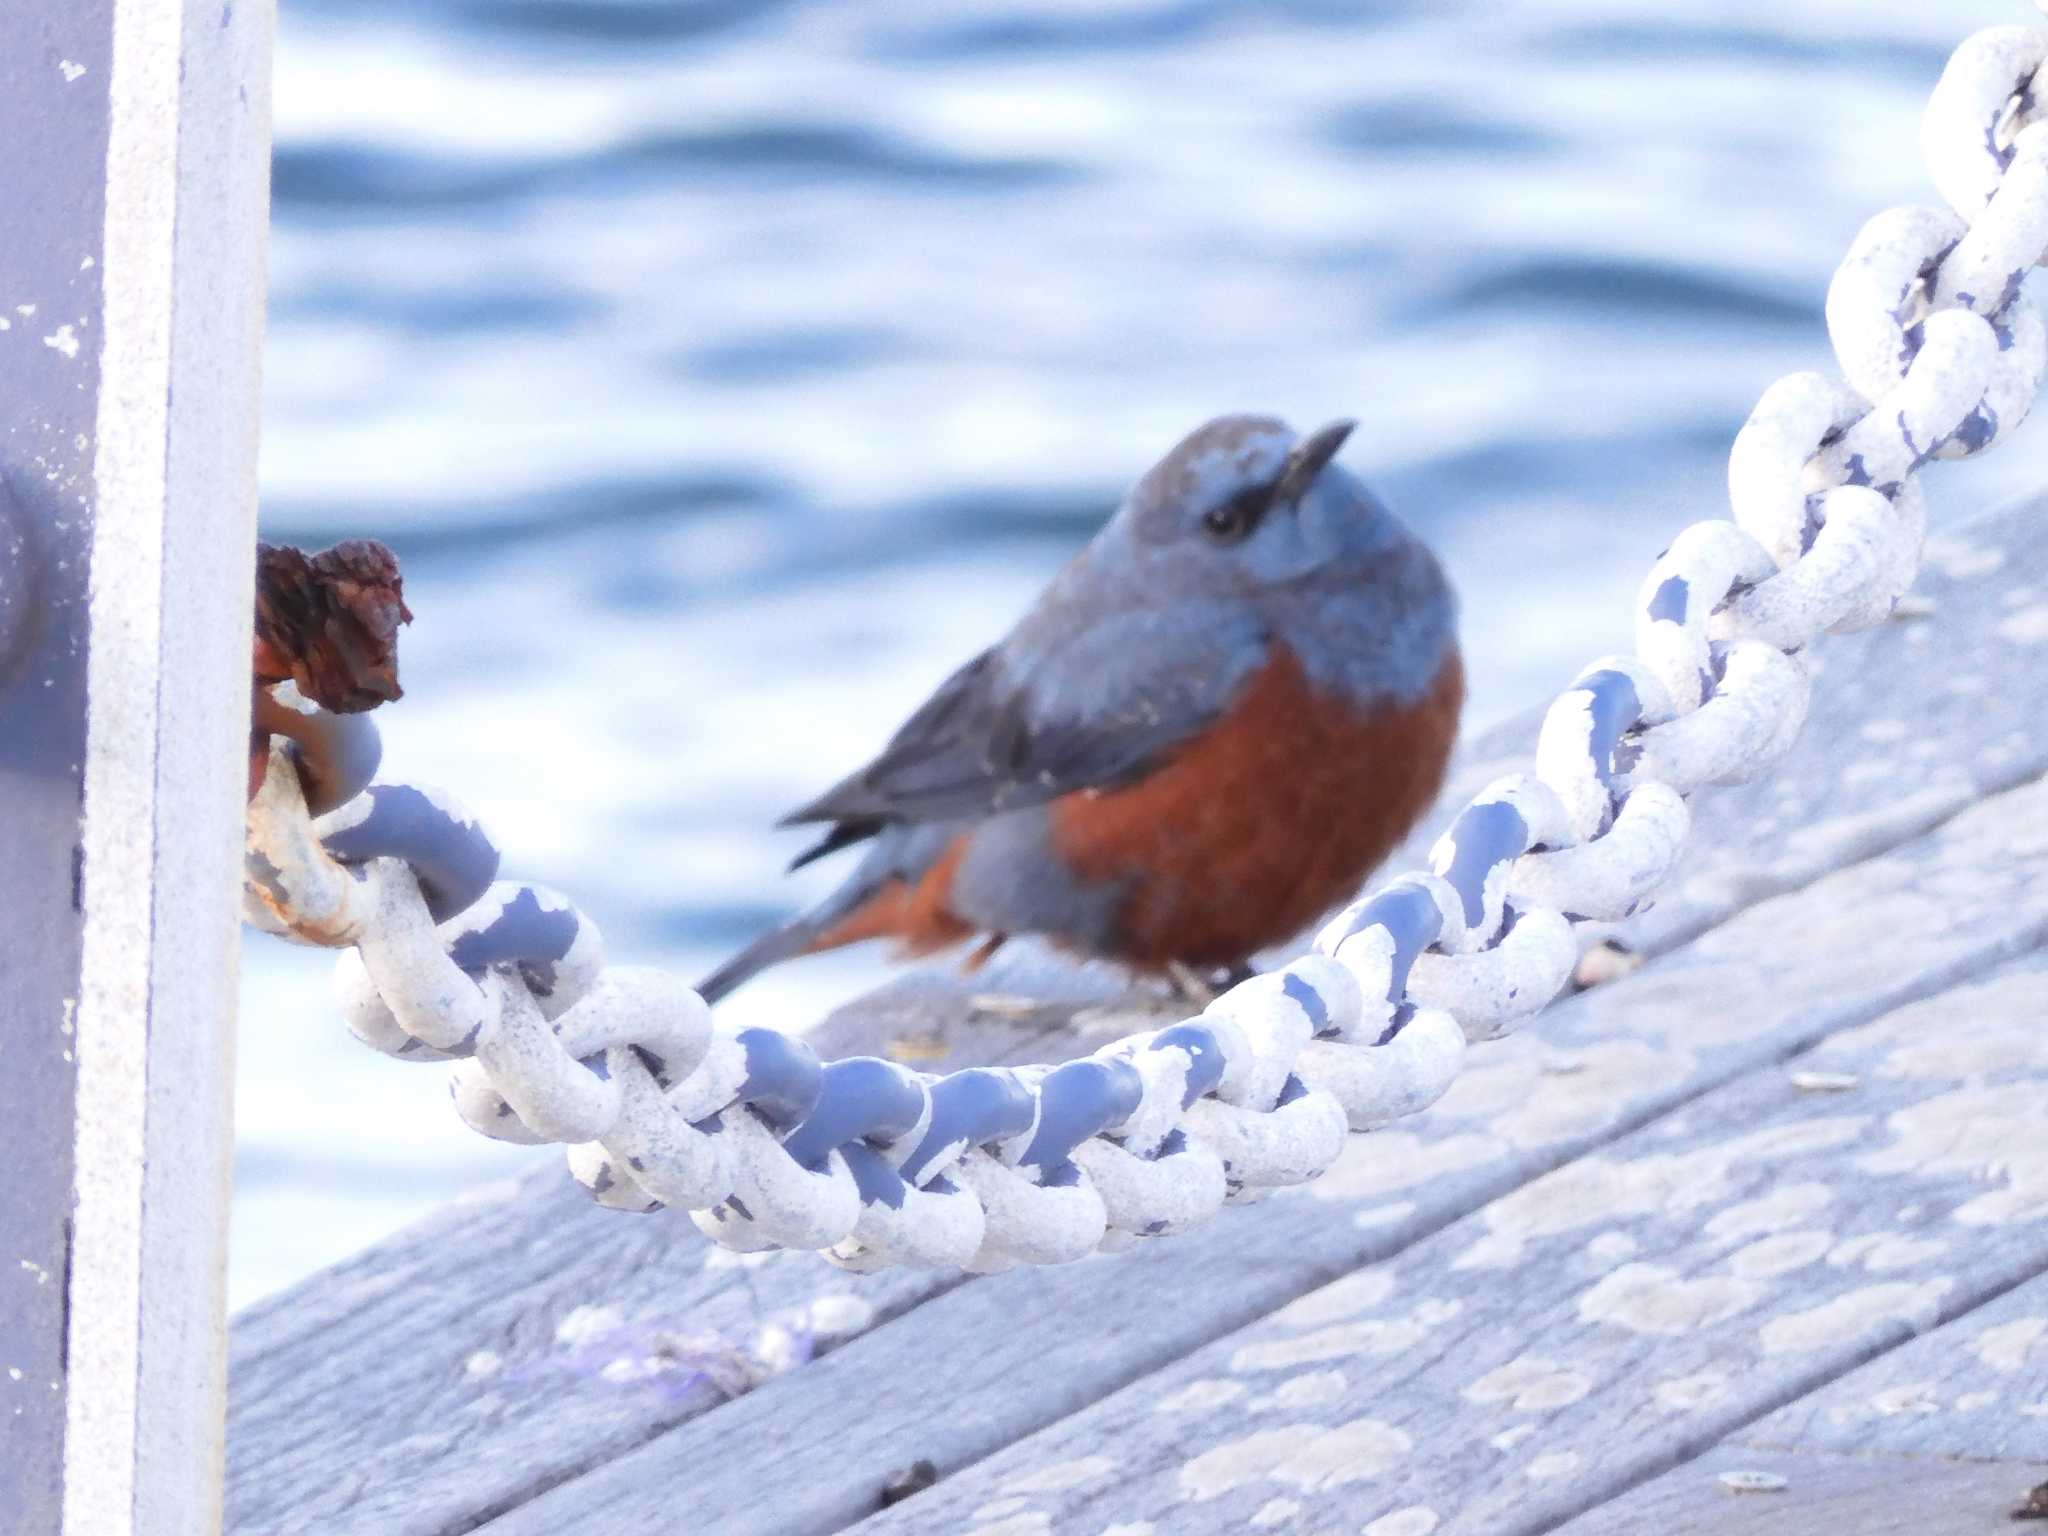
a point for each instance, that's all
(1242, 503)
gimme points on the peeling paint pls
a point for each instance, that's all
(1388, 1162)
(1779, 1254)
(1683, 1394)
(2006, 1347)
(2029, 626)
(1651, 1299)
(1415, 1520)
(1200, 1396)
(1529, 1384)
(1033, 1523)
(1913, 1397)
(1372, 1337)
(1311, 1389)
(1307, 1456)
(1980, 1133)
(1847, 1316)
(1785, 1206)
(1360, 1291)
(1062, 1475)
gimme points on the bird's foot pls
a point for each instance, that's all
(1190, 985)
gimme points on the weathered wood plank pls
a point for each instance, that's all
(1777, 978)
(1572, 1338)
(400, 1322)
(1941, 1434)
(1976, 1388)
(1869, 1495)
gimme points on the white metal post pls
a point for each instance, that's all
(131, 270)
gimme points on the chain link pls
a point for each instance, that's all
(1942, 352)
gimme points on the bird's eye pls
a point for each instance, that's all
(1225, 522)
(1236, 517)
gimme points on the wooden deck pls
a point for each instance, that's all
(1753, 1239)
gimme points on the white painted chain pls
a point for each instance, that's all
(1943, 353)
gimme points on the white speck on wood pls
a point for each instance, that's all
(1553, 1465)
(1304, 1455)
(1383, 1215)
(2006, 1347)
(839, 1314)
(1355, 1293)
(1033, 1523)
(1367, 1337)
(1779, 1254)
(1415, 1520)
(1783, 1207)
(1826, 1082)
(2027, 627)
(1651, 1299)
(1682, 1394)
(1913, 1397)
(1530, 1385)
(1981, 1132)
(1752, 1482)
(587, 1323)
(64, 339)
(1612, 1248)
(1846, 1316)
(1061, 1475)
(1200, 1396)
(1311, 1389)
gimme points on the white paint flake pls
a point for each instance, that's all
(839, 1314)
(1306, 1456)
(1849, 1315)
(2006, 1347)
(64, 339)
(1415, 1520)
(1752, 1482)
(1779, 1254)
(484, 1362)
(1062, 1475)
(1651, 1299)
(1275, 1512)
(1683, 1394)
(1913, 1397)
(1530, 1385)
(72, 72)
(587, 1323)
(1552, 1465)
(1200, 1396)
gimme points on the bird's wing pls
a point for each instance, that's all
(1017, 727)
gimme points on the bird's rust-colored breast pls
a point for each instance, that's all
(1267, 820)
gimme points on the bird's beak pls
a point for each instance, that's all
(1307, 461)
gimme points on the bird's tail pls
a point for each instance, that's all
(772, 948)
(874, 902)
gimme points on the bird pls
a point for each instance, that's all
(1208, 731)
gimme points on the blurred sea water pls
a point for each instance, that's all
(726, 372)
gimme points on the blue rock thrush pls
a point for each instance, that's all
(1207, 732)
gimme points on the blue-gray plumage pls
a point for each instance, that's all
(1207, 730)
